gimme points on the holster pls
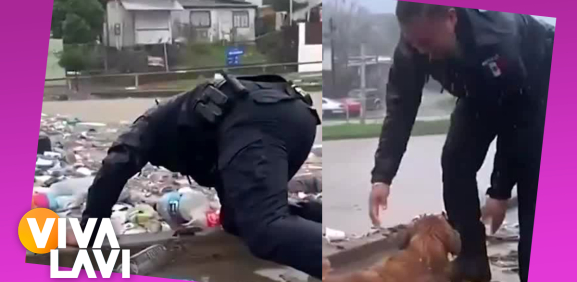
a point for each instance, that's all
(217, 98)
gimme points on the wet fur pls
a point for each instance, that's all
(424, 256)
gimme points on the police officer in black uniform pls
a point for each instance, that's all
(247, 137)
(498, 66)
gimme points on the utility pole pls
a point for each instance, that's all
(166, 57)
(333, 65)
(363, 85)
(105, 43)
(290, 12)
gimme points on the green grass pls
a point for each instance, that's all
(357, 131)
(210, 55)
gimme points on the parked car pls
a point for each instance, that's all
(352, 106)
(374, 98)
(333, 108)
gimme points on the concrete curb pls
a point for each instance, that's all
(359, 253)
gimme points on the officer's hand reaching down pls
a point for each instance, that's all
(494, 212)
(377, 201)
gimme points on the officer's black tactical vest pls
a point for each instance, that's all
(188, 142)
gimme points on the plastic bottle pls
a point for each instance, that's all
(148, 260)
(45, 200)
(188, 208)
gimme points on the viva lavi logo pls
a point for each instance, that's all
(41, 231)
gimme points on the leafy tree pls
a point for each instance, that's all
(76, 30)
(74, 58)
(88, 14)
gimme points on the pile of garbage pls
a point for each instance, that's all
(506, 259)
(70, 153)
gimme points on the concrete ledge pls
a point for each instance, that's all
(361, 253)
(215, 255)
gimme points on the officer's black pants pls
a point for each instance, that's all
(261, 147)
(518, 120)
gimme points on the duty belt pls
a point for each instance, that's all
(214, 102)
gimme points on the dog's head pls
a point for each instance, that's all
(430, 232)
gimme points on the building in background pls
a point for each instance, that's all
(53, 69)
(310, 47)
(215, 20)
(312, 12)
(132, 23)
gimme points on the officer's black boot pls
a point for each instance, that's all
(471, 269)
(472, 265)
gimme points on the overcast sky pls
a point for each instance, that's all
(388, 6)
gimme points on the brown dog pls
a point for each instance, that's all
(424, 256)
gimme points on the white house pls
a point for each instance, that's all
(139, 22)
(148, 22)
(215, 20)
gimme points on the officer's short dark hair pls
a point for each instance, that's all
(408, 11)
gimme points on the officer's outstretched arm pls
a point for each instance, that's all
(126, 157)
(403, 98)
(504, 175)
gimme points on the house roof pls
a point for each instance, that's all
(216, 4)
(301, 13)
(151, 5)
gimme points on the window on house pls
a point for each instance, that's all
(200, 19)
(240, 19)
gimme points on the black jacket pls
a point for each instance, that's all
(517, 43)
(173, 136)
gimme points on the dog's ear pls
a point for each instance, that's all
(407, 235)
(450, 237)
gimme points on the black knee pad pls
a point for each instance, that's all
(257, 242)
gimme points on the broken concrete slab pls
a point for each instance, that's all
(203, 256)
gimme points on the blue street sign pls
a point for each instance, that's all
(233, 55)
